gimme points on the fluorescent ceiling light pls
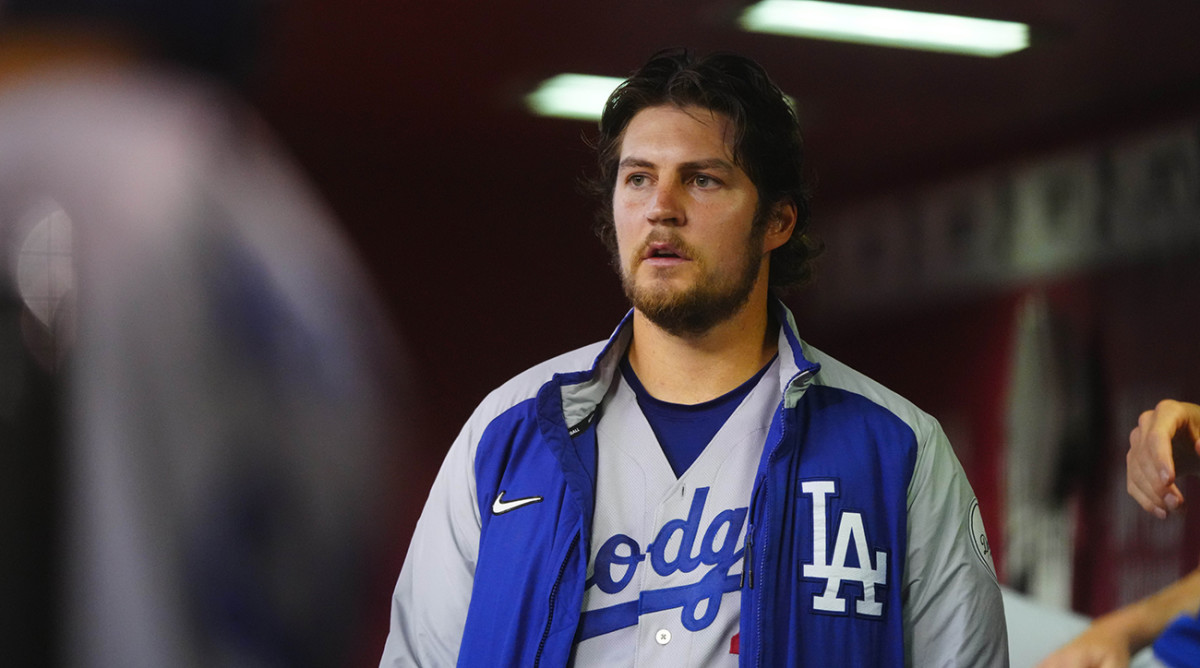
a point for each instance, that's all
(578, 96)
(886, 27)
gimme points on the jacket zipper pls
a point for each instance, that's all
(758, 613)
(748, 561)
(553, 600)
(748, 556)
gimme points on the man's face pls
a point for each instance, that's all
(688, 250)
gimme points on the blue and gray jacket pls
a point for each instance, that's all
(485, 586)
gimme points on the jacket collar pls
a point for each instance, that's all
(583, 390)
(797, 370)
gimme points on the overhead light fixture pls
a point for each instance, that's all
(577, 96)
(886, 27)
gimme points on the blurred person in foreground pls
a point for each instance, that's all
(703, 488)
(201, 370)
(1162, 448)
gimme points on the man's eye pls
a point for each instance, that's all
(704, 181)
(637, 180)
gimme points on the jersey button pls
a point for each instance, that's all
(663, 636)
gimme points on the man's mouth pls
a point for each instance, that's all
(663, 250)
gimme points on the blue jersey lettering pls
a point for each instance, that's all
(620, 556)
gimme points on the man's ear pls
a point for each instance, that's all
(780, 224)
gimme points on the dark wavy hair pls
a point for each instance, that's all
(767, 142)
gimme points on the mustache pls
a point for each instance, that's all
(663, 237)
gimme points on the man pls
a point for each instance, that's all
(703, 488)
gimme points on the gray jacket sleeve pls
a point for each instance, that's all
(429, 605)
(953, 611)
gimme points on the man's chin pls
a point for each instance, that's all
(685, 313)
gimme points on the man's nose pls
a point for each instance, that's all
(665, 207)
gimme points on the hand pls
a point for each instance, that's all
(1094, 648)
(1152, 465)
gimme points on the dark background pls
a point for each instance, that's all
(408, 118)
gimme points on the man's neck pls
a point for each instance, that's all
(693, 369)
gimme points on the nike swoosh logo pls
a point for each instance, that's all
(500, 506)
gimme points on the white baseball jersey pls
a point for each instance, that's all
(666, 559)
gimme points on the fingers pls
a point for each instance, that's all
(1150, 471)
(1150, 465)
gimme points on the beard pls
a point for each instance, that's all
(710, 300)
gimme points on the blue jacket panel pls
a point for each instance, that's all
(525, 557)
(830, 435)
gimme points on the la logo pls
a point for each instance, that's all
(835, 571)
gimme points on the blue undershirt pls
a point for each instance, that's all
(684, 430)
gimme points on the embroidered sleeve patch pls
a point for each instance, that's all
(979, 538)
